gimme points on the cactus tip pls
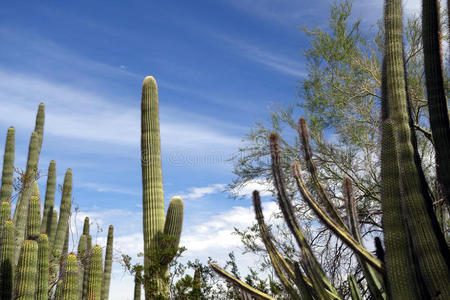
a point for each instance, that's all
(149, 81)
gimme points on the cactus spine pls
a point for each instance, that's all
(8, 167)
(70, 284)
(7, 261)
(155, 281)
(94, 282)
(64, 213)
(25, 283)
(42, 268)
(108, 264)
(49, 198)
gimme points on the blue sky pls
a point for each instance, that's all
(220, 65)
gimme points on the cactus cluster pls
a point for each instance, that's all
(161, 233)
(34, 259)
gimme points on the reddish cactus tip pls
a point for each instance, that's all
(303, 127)
(296, 170)
(273, 138)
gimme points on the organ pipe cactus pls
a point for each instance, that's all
(49, 198)
(137, 285)
(8, 167)
(53, 226)
(64, 213)
(437, 101)
(25, 281)
(70, 284)
(7, 269)
(42, 268)
(108, 264)
(428, 243)
(154, 222)
(21, 211)
(94, 282)
(34, 215)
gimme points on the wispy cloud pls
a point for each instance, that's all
(195, 193)
(267, 58)
(104, 188)
(262, 186)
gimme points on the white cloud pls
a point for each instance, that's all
(262, 56)
(84, 115)
(194, 193)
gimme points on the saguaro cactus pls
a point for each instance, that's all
(64, 213)
(154, 221)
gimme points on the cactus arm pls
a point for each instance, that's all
(86, 226)
(82, 256)
(437, 102)
(49, 198)
(53, 226)
(108, 264)
(397, 257)
(354, 290)
(5, 215)
(302, 284)
(70, 284)
(64, 213)
(34, 213)
(25, 281)
(349, 240)
(42, 268)
(324, 198)
(288, 210)
(95, 273)
(8, 167)
(372, 277)
(240, 284)
(172, 229)
(428, 241)
(21, 211)
(39, 125)
(7, 269)
(278, 262)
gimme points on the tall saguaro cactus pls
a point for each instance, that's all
(25, 284)
(8, 166)
(154, 223)
(49, 198)
(108, 264)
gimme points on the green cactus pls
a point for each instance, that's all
(82, 255)
(137, 285)
(153, 195)
(354, 290)
(428, 243)
(108, 264)
(21, 211)
(34, 214)
(53, 226)
(398, 258)
(64, 213)
(95, 274)
(70, 284)
(7, 269)
(435, 84)
(49, 199)
(39, 125)
(86, 226)
(42, 268)
(5, 214)
(25, 281)
(8, 167)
